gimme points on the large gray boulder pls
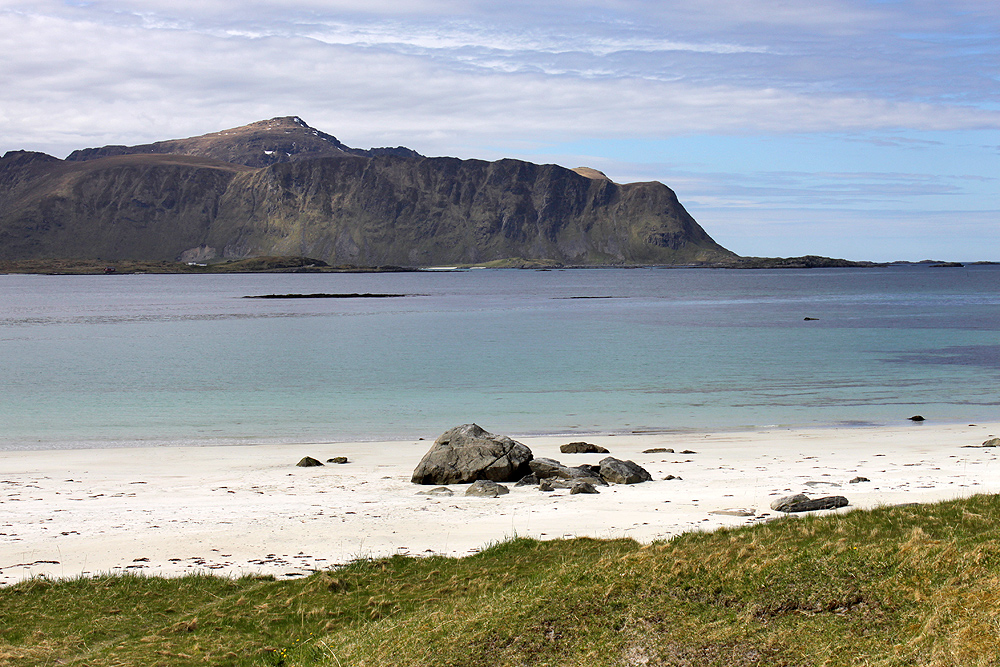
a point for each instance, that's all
(467, 453)
(617, 471)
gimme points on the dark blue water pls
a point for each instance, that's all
(121, 360)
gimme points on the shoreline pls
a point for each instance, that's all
(247, 509)
(568, 435)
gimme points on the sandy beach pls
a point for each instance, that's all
(249, 510)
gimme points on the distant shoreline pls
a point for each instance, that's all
(309, 265)
(143, 444)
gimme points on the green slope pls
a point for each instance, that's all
(896, 586)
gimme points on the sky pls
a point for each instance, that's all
(864, 129)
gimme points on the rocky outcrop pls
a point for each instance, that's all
(208, 196)
(468, 453)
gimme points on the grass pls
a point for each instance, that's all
(893, 586)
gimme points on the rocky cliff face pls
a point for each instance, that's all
(324, 200)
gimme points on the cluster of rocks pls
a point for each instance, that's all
(310, 462)
(468, 453)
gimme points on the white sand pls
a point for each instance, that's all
(248, 509)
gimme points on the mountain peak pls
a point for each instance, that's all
(591, 173)
(258, 144)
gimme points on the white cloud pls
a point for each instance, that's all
(127, 82)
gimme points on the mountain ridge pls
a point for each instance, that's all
(280, 187)
(258, 144)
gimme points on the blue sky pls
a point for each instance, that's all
(851, 128)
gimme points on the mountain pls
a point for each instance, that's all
(280, 187)
(259, 144)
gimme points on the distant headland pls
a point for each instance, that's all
(282, 188)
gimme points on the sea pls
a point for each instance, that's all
(161, 360)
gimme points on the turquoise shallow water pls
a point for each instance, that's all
(127, 360)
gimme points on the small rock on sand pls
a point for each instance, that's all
(308, 462)
(858, 480)
(485, 488)
(734, 512)
(582, 448)
(437, 491)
